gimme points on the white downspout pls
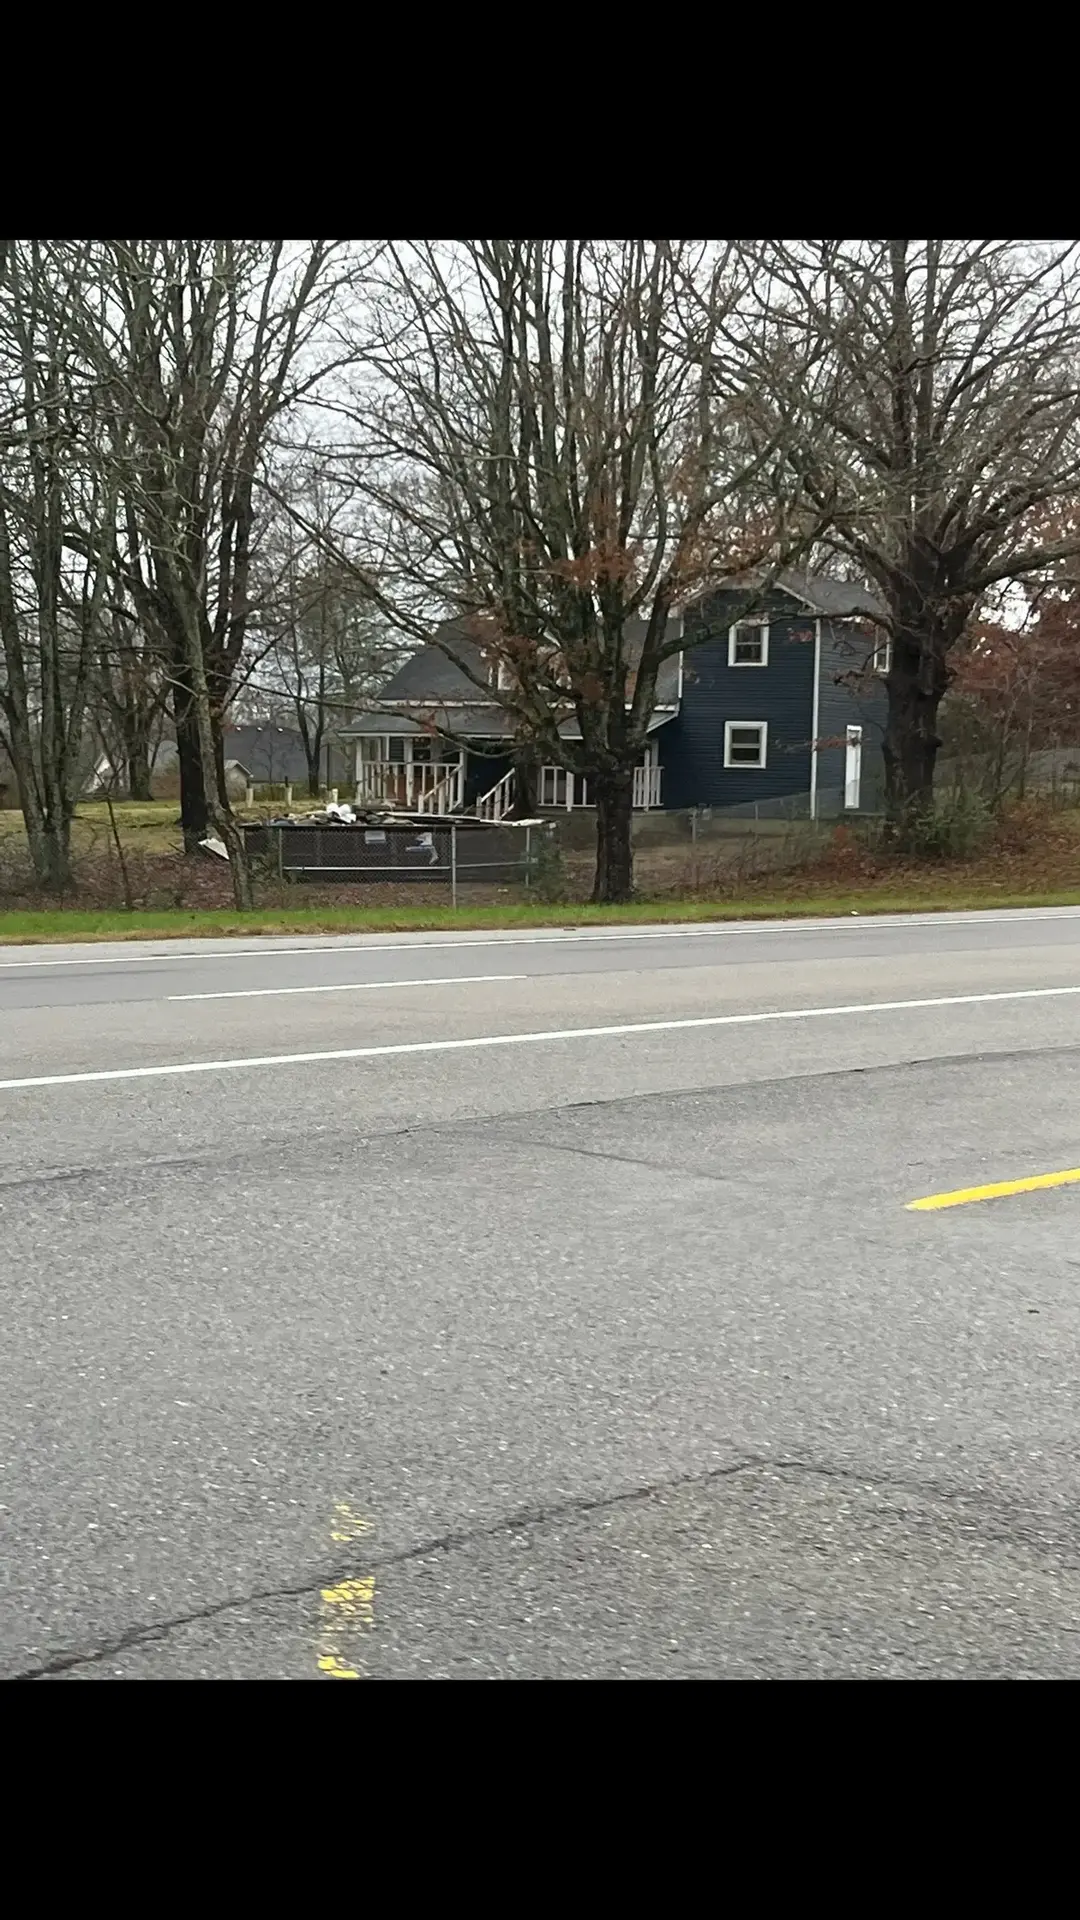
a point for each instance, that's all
(815, 719)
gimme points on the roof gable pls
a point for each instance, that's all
(831, 599)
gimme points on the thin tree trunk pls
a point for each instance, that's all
(220, 780)
(221, 814)
(138, 768)
(194, 814)
(614, 844)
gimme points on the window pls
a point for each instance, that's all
(881, 659)
(748, 644)
(500, 674)
(745, 743)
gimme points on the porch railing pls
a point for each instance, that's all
(439, 787)
(415, 786)
(647, 786)
(498, 800)
(557, 787)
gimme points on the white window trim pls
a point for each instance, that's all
(881, 659)
(747, 766)
(740, 626)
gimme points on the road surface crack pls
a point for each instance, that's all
(521, 1521)
(317, 1150)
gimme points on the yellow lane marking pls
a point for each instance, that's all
(348, 1524)
(329, 1663)
(354, 1600)
(348, 1607)
(961, 1196)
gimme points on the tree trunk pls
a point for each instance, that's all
(614, 845)
(48, 834)
(194, 814)
(138, 770)
(916, 686)
(220, 780)
(526, 779)
(50, 850)
(211, 756)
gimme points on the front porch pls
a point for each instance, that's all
(414, 773)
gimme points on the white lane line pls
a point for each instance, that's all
(347, 986)
(532, 1039)
(742, 929)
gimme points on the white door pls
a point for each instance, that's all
(853, 767)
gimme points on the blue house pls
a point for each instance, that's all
(782, 712)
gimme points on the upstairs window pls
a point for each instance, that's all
(745, 743)
(748, 644)
(500, 674)
(881, 659)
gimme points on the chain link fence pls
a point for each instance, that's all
(453, 852)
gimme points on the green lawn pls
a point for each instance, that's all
(60, 925)
(149, 826)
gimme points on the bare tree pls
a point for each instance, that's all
(52, 585)
(323, 648)
(941, 417)
(543, 458)
(128, 696)
(213, 344)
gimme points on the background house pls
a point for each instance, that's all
(255, 755)
(275, 756)
(783, 712)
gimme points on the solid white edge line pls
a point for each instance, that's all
(345, 986)
(555, 937)
(527, 1039)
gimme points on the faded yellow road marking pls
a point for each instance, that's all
(961, 1196)
(353, 1600)
(348, 1524)
(348, 1607)
(329, 1663)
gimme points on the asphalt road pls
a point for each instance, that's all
(542, 1304)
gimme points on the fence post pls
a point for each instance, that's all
(693, 844)
(528, 858)
(249, 795)
(280, 856)
(453, 866)
(288, 793)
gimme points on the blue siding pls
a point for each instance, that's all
(692, 746)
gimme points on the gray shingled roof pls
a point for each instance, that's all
(834, 599)
(475, 723)
(430, 675)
